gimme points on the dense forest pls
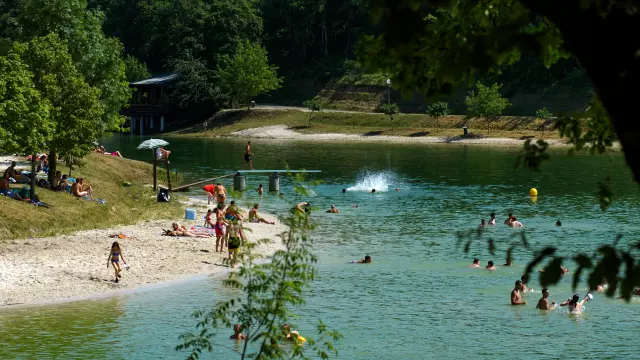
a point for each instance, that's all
(312, 43)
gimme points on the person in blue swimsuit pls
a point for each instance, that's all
(114, 259)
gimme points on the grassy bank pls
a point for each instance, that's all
(411, 125)
(106, 174)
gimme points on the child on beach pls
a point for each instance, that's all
(114, 258)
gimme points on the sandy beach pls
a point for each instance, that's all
(47, 270)
(283, 132)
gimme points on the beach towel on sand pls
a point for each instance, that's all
(208, 230)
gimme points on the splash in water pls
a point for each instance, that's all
(381, 181)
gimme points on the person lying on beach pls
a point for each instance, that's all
(333, 210)
(6, 190)
(490, 265)
(516, 295)
(367, 260)
(178, 230)
(575, 304)
(237, 333)
(255, 218)
(114, 258)
(543, 303)
(492, 220)
(78, 189)
(260, 189)
(476, 263)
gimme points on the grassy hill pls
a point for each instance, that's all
(106, 174)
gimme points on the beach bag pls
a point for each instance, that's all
(164, 195)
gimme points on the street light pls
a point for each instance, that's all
(389, 91)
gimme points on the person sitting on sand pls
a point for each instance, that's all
(333, 210)
(508, 220)
(476, 263)
(237, 333)
(367, 260)
(221, 193)
(162, 154)
(492, 220)
(233, 212)
(543, 303)
(208, 221)
(178, 230)
(255, 218)
(16, 174)
(114, 258)
(516, 295)
(576, 306)
(260, 189)
(490, 266)
(514, 222)
(78, 189)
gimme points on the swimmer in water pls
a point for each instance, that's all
(525, 281)
(260, 189)
(355, 206)
(476, 263)
(508, 220)
(492, 220)
(397, 189)
(515, 223)
(516, 294)
(366, 260)
(558, 223)
(333, 210)
(483, 223)
(344, 191)
(490, 266)
(562, 268)
(237, 333)
(373, 191)
(543, 303)
(576, 306)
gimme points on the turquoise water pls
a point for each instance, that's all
(417, 300)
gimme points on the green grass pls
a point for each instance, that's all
(125, 204)
(414, 125)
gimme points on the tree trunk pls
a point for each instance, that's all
(310, 118)
(612, 66)
(166, 164)
(53, 165)
(33, 176)
(437, 124)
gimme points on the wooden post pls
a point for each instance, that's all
(166, 164)
(155, 161)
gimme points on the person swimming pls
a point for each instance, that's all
(558, 223)
(516, 294)
(344, 191)
(237, 333)
(576, 306)
(483, 223)
(367, 260)
(492, 220)
(373, 191)
(508, 220)
(490, 265)
(514, 222)
(543, 303)
(476, 263)
(333, 210)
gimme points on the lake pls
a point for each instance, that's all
(418, 299)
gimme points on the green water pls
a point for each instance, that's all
(417, 300)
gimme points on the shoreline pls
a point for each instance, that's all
(283, 132)
(68, 268)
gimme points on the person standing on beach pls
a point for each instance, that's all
(114, 258)
(248, 154)
(221, 193)
(235, 240)
(516, 294)
(210, 190)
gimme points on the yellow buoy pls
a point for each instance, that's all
(533, 192)
(534, 199)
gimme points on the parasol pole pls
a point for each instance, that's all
(154, 170)
(166, 163)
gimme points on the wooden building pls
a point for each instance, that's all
(150, 107)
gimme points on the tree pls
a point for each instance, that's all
(267, 292)
(248, 73)
(313, 105)
(438, 110)
(135, 70)
(452, 42)
(486, 102)
(25, 124)
(546, 116)
(196, 85)
(98, 59)
(76, 106)
(390, 109)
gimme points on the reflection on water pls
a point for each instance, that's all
(417, 300)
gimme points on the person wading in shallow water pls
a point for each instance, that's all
(516, 294)
(248, 154)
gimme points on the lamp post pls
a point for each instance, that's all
(389, 91)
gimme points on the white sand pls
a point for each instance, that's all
(45, 270)
(282, 132)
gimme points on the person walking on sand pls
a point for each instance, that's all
(235, 240)
(516, 294)
(248, 154)
(114, 258)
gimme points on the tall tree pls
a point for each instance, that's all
(76, 106)
(247, 73)
(486, 102)
(25, 125)
(134, 69)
